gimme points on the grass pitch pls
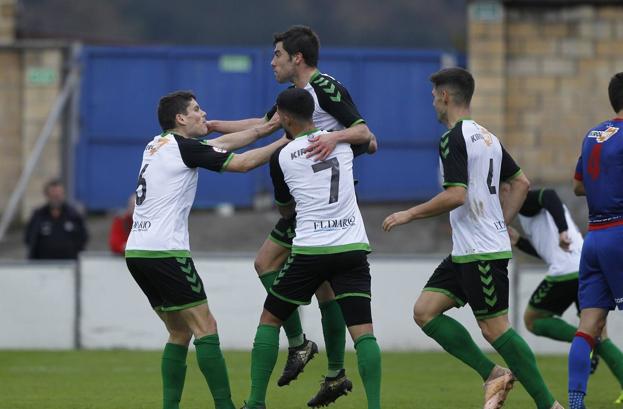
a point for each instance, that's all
(131, 380)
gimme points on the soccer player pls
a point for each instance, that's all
(158, 251)
(330, 245)
(598, 176)
(295, 61)
(554, 237)
(473, 164)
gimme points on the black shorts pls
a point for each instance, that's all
(170, 284)
(554, 296)
(481, 284)
(283, 233)
(348, 274)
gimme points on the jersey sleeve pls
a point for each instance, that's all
(199, 154)
(509, 169)
(579, 170)
(282, 192)
(335, 99)
(269, 114)
(453, 154)
(551, 202)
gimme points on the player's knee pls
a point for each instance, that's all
(422, 316)
(179, 336)
(528, 320)
(260, 265)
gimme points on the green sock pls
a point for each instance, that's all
(554, 328)
(369, 363)
(291, 326)
(455, 339)
(613, 357)
(520, 359)
(334, 331)
(212, 365)
(263, 359)
(173, 371)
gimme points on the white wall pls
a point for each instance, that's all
(38, 305)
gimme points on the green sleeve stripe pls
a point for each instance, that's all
(455, 184)
(156, 253)
(279, 242)
(447, 293)
(541, 197)
(310, 250)
(357, 122)
(562, 277)
(229, 158)
(519, 172)
(278, 203)
(469, 258)
(363, 295)
(282, 298)
(183, 307)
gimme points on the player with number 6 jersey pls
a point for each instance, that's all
(158, 251)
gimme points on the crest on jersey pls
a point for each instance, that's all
(486, 135)
(152, 148)
(603, 136)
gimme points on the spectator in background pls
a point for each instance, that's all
(120, 228)
(56, 230)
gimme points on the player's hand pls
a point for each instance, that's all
(513, 234)
(396, 219)
(321, 146)
(564, 241)
(211, 126)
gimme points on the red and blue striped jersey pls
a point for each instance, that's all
(600, 168)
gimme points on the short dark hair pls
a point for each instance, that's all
(172, 104)
(296, 102)
(300, 39)
(459, 80)
(615, 92)
(51, 183)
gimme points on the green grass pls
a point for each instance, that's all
(131, 380)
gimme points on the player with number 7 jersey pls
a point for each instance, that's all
(328, 219)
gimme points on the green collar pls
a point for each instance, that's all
(306, 133)
(314, 75)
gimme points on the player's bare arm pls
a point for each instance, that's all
(518, 189)
(322, 146)
(446, 201)
(233, 126)
(248, 160)
(236, 140)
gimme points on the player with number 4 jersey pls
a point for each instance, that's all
(473, 164)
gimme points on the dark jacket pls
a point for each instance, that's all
(60, 238)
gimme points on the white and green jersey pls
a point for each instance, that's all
(334, 108)
(473, 157)
(165, 193)
(328, 219)
(543, 234)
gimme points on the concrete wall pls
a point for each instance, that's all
(115, 314)
(541, 78)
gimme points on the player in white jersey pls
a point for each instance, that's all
(552, 235)
(473, 163)
(158, 251)
(295, 61)
(330, 245)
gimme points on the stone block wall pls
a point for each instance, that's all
(551, 70)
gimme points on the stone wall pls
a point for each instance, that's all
(541, 78)
(7, 21)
